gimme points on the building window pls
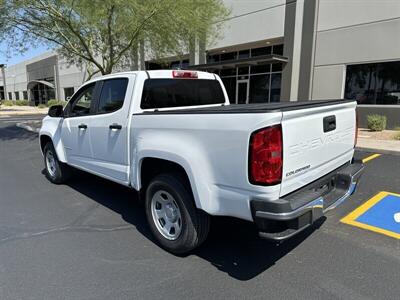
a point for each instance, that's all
(230, 87)
(261, 51)
(68, 92)
(25, 95)
(259, 88)
(244, 54)
(377, 83)
(9, 96)
(277, 49)
(228, 56)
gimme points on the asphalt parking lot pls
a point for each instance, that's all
(89, 240)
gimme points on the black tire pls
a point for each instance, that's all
(61, 171)
(195, 223)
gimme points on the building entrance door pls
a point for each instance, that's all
(242, 91)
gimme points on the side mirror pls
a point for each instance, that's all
(56, 111)
(68, 98)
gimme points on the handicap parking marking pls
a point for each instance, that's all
(371, 157)
(380, 214)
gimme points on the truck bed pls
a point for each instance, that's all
(252, 107)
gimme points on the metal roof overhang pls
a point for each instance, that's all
(33, 82)
(252, 61)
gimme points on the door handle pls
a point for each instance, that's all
(329, 123)
(115, 126)
(82, 126)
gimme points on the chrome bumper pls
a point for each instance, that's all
(282, 219)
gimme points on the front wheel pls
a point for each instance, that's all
(56, 171)
(175, 222)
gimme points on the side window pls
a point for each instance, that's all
(81, 104)
(112, 95)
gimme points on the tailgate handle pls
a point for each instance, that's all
(329, 123)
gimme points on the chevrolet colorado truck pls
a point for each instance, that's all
(173, 136)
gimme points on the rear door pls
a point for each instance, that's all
(110, 128)
(316, 141)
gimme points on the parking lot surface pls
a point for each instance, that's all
(89, 240)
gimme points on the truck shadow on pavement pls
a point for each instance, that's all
(232, 247)
(13, 133)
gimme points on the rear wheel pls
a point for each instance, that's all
(175, 222)
(56, 171)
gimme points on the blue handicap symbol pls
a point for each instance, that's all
(384, 214)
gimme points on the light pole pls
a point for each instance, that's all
(3, 72)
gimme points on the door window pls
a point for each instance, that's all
(82, 103)
(112, 95)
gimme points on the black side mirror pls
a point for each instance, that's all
(56, 111)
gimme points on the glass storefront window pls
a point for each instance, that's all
(228, 56)
(259, 89)
(213, 58)
(277, 49)
(244, 54)
(276, 79)
(230, 86)
(377, 83)
(277, 67)
(243, 71)
(228, 72)
(260, 69)
(261, 51)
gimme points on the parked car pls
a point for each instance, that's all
(173, 136)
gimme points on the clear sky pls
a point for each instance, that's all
(14, 58)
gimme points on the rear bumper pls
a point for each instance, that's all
(286, 217)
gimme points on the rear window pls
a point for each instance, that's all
(159, 93)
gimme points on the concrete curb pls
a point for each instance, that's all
(24, 125)
(380, 151)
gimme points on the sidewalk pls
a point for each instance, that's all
(381, 142)
(381, 146)
(22, 110)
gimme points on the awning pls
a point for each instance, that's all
(34, 82)
(251, 61)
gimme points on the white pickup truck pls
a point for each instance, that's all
(173, 136)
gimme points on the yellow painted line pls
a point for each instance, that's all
(371, 157)
(350, 219)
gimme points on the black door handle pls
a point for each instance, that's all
(115, 126)
(329, 123)
(82, 126)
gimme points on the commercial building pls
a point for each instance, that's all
(272, 50)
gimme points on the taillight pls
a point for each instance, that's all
(356, 133)
(265, 156)
(184, 74)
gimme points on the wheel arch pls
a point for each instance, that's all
(149, 167)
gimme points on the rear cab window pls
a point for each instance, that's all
(164, 93)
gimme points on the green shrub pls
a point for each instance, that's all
(8, 103)
(376, 122)
(22, 102)
(41, 105)
(53, 102)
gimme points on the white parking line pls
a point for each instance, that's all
(20, 120)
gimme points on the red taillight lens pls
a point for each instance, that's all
(184, 74)
(265, 160)
(356, 133)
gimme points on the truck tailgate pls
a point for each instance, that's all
(316, 141)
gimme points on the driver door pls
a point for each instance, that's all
(75, 130)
